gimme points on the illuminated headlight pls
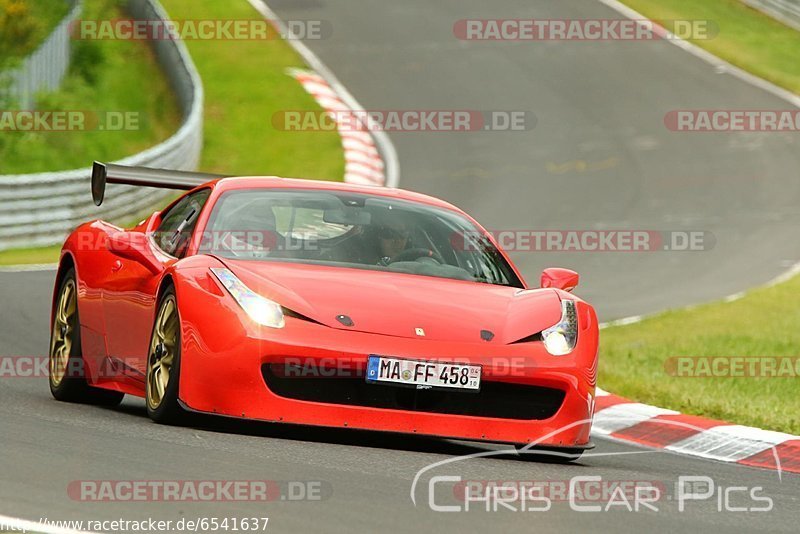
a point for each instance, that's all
(560, 338)
(261, 310)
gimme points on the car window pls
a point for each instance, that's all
(353, 230)
(300, 222)
(177, 225)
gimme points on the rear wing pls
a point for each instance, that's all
(103, 173)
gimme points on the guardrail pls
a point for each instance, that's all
(786, 11)
(44, 69)
(41, 209)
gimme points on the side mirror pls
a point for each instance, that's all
(559, 278)
(134, 246)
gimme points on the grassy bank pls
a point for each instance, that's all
(245, 84)
(106, 76)
(29, 256)
(637, 361)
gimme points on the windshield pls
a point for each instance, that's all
(353, 230)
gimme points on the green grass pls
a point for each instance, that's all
(246, 84)
(105, 76)
(763, 323)
(29, 256)
(747, 38)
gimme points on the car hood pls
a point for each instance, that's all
(397, 304)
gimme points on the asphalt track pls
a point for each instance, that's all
(365, 478)
(599, 157)
(596, 103)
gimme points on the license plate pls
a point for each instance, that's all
(423, 374)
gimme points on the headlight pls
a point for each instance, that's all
(560, 338)
(262, 310)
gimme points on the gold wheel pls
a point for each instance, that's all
(67, 379)
(163, 349)
(64, 327)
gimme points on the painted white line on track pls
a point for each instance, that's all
(726, 442)
(351, 140)
(33, 267)
(721, 67)
(385, 145)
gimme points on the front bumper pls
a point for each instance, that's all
(229, 367)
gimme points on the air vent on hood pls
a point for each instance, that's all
(291, 313)
(530, 339)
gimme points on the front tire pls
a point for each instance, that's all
(67, 374)
(164, 363)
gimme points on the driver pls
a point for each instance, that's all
(381, 242)
(387, 236)
(393, 237)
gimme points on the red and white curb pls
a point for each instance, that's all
(363, 162)
(615, 417)
(360, 163)
(624, 420)
(621, 419)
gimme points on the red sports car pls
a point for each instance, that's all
(320, 303)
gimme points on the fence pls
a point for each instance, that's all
(44, 69)
(41, 209)
(787, 11)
